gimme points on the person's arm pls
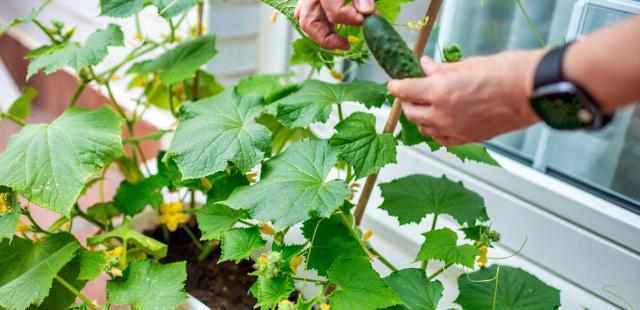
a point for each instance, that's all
(479, 98)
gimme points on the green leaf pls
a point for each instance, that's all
(209, 87)
(285, 7)
(415, 289)
(314, 101)
(219, 129)
(474, 233)
(517, 290)
(91, 263)
(442, 244)
(361, 287)
(126, 232)
(22, 106)
(134, 198)
(183, 60)
(59, 295)
(288, 252)
(224, 182)
(306, 51)
(121, 8)
(173, 8)
(411, 198)
(270, 86)
(292, 185)
(147, 285)
(329, 240)
(38, 168)
(361, 146)
(273, 290)
(155, 136)
(282, 135)
(10, 219)
(77, 57)
(158, 95)
(390, 9)
(26, 19)
(28, 268)
(473, 152)
(45, 49)
(237, 243)
(215, 219)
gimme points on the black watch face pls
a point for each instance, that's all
(560, 107)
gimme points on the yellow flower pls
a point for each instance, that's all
(483, 258)
(95, 305)
(172, 215)
(3, 206)
(138, 36)
(22, 227)
(266, 229)
(70, 32)
(325, 307)
(284, 302)
(263, 259)
(353, 40)
(339, 51)
(295, 262)
(206, 183)
(273, 17)
(367, 235)
(115, 77)
(163, 35)
(37, 238)
(114, 253)
(252, 177)
(339, 25)
(336, 75)
(116, 272)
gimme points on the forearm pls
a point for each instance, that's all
(607, 64)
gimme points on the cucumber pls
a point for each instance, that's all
(391, 52)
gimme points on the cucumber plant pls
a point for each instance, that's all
(225, 140)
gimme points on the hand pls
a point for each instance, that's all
(472, 100)
(318, 19)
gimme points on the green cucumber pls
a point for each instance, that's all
(391, 52)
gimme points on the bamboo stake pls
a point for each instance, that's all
(396, 109)
(196, 80)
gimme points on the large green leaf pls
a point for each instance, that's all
(517, 290)
(135, 197)
(219, 129)
(412, 136)
(28, 268)
(273, 290)
(390, 9)
(147, 285)
(9, 220)
(292, 185)
(237, 243)
(411, 198)
(224, 182)
(285, 7)
(417, 292)
(183, 60)
(314, 101)
(77, 57)
(361, 287)
(28, 18)
(442, 244)
(172, 8)
(122, 8)
(127, 233)
(59, 295)
(361, 146)
(270, 86)
(91, 264)
(49, 164)
(22, 106)
(329, 240)
(215, 219)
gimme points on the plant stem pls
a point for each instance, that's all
(190, 211)
(206, 251)
(381, 258)
(425, 263)
(88, 218)
(173, 110)
(310, 280)
(173, 30)
(138, 24)
(352, 231)
(35, 225)
(340, 116)
(144, 160)
(59, 222)
(192, 236)
(44, 29)
(435, 274)
(196, 80)
(396, 109)
(531, 23)
(131, 56)
(14, 119)
(74, 291)
(245, 222)
(125, 243)
(77, 94)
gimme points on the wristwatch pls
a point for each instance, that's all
(561, 103)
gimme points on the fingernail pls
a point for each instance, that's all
(365, 6)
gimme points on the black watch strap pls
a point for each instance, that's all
(549, 70)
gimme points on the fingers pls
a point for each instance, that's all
(315, 23)
(416, 90)
(364, 6)
(339, 13)
(429, 66)
(419, 114)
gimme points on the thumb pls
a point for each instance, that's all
(428, 65)
(364, 6)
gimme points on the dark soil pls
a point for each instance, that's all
(220, 286)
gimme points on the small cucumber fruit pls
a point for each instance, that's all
(391, 52)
